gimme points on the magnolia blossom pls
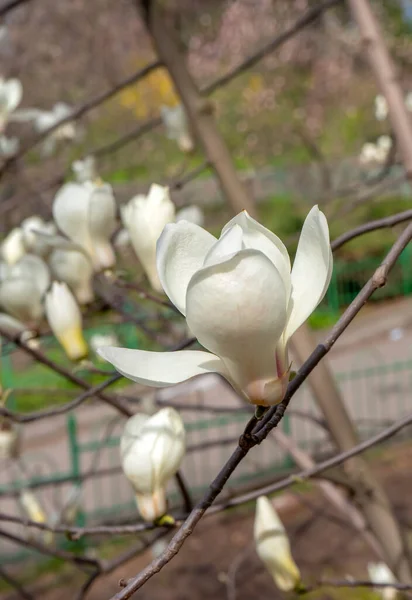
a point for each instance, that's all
(65, 320)
(381, 573)
(9, 439)
(11, 92)
(151, 449)
(45, 119)
(85, 170)
(86, 213)
(193, 214)
(13, 248)
(75, 269)
(145, 217)
(35, 232)
(273, 548)
(22, 288)
(34, 512)
(241, 301)
(381, 108)
(376, 153)
(177, 127)
(8, 146)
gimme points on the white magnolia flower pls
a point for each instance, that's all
(151, 450)
(35, 232)
(273, 548)
(86, 213)
(9, 439)
(33, 510)
(11, 93)
(65, 320)
(145, 217)
(13, 248)
(177, 127)
(8, 146)
(193, 214)
(22, 288)
(85, 170)
(381, 108)
(383, 145)
(49, 118)
(241, 301)
(99, 340)
(381, 573)
(75, 269)
(122, 239)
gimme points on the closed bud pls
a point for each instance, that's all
(12, 248)
(145, 218)
(272, 546)
(65, 320)
(152, 448)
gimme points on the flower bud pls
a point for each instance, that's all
(65, 320)
(12, 248)
(272, 546)
(145, 217)
(177, 127)
(152, 449)
(75, 269)
(9, 439)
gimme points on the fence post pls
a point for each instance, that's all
(75, 463)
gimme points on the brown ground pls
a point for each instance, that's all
(323, 546)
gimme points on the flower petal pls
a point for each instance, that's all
(71, 211)
(181, 250)
(13, 92)
(102, 211)
(311, 271)
(227, 246)
(258, 237)
(237, 310)
(161, 369)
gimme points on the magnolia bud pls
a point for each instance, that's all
(9, 439)
(65, 320)
(152, 449)
(145, 217)
(12, 248)
(272, 546)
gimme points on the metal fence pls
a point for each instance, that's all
(375, 396)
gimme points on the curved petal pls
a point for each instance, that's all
(161, 369)
(258, 237)
(13, 93)
(237, 310)
(181, 251)
(71, 211)
(102, 211)
(227, 246)
(311, 271)
(32, 268)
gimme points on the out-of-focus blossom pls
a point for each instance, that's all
(75, 269)
(13, 248)
(100, 340)
(34, 512)
(273, 548)
(65, 320)
(11, 93)
(152, 449)
(376, 153)
(85, 170)
(8, 146)
(35, 232)
(22, 288)
(9, 439)
(122, 239)
(86, 213)
(381, 573)
(145, 217)
(177, 127)
(193, 214)
(241, 300)
(381, 108)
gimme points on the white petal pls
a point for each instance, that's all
(71, 211)
(13, 92)
(32, 268)
(258, 237)
(237, 310)
(102, 212)
(227, 246)
(181, 251)
(311, 271)
(161, 369)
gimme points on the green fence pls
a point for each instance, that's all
(375, 396)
